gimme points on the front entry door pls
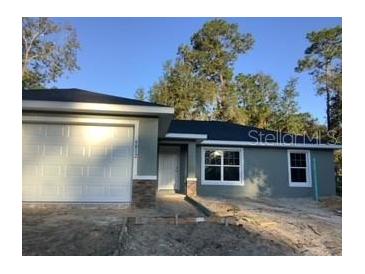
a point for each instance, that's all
(168, 168)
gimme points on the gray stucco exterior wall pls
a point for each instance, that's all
(147, 147)
(326, 172)
(266, 174)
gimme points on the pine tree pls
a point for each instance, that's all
(204, 89)
(257, 99)
(323, 60)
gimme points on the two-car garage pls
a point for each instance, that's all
(77, 163)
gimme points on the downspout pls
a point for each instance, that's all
(315, 178)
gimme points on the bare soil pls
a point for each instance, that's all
(202, 239)
(309, 227)
(262, 227)
(100, 231)
(74, 231)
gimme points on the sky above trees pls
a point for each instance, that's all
(120, 55)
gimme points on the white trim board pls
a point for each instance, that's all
(145, 177)
(186, 136)
(94, 107)
(93, 121)
(246, 143)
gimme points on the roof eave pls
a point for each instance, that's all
(273, 144)
(97, 108)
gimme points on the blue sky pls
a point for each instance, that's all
(119, 55)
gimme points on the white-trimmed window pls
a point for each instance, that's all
(222, 166)
(299, 168)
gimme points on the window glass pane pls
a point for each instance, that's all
(213, 157)
(298, 160)
(298, 175)
(231, 158)
(231, 173)
(213, 173)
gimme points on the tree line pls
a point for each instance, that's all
(201, 83)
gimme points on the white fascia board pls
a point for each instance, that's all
(144, 177)
(245, 143)
(186, 136)
(94, 107)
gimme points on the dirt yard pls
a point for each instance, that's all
(203, 239)
(308, 227)
(100, 232)
(262, 228)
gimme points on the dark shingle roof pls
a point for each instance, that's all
(226, 131)
(79, 95)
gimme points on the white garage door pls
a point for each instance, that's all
(77, 163)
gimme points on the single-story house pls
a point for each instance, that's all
(82, 146)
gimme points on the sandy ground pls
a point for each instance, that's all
(309, 227)
(202, 239)
(263, 228)
(107, 231)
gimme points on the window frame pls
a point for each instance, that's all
(222, 182)
(308, 169)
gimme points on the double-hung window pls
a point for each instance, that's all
(222, 166)
(299, 168)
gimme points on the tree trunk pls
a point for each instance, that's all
(221, 97)
(328, 109)
(328, 99)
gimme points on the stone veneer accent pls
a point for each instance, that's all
(144, 193)
(191, 187)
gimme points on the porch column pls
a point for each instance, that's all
(191, 180)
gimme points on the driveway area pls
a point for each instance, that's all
(261, 229)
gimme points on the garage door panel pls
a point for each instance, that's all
(30, 192)
(73, 151)
(29, 169)
(77, 163)
(31, 149)
(119, 172)
(49, 191)
(56, 131)
(96, 152)
(97, 134)
(96, 172)
(33, 130)
(74, 171)
(119, 193)
(52, 171)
